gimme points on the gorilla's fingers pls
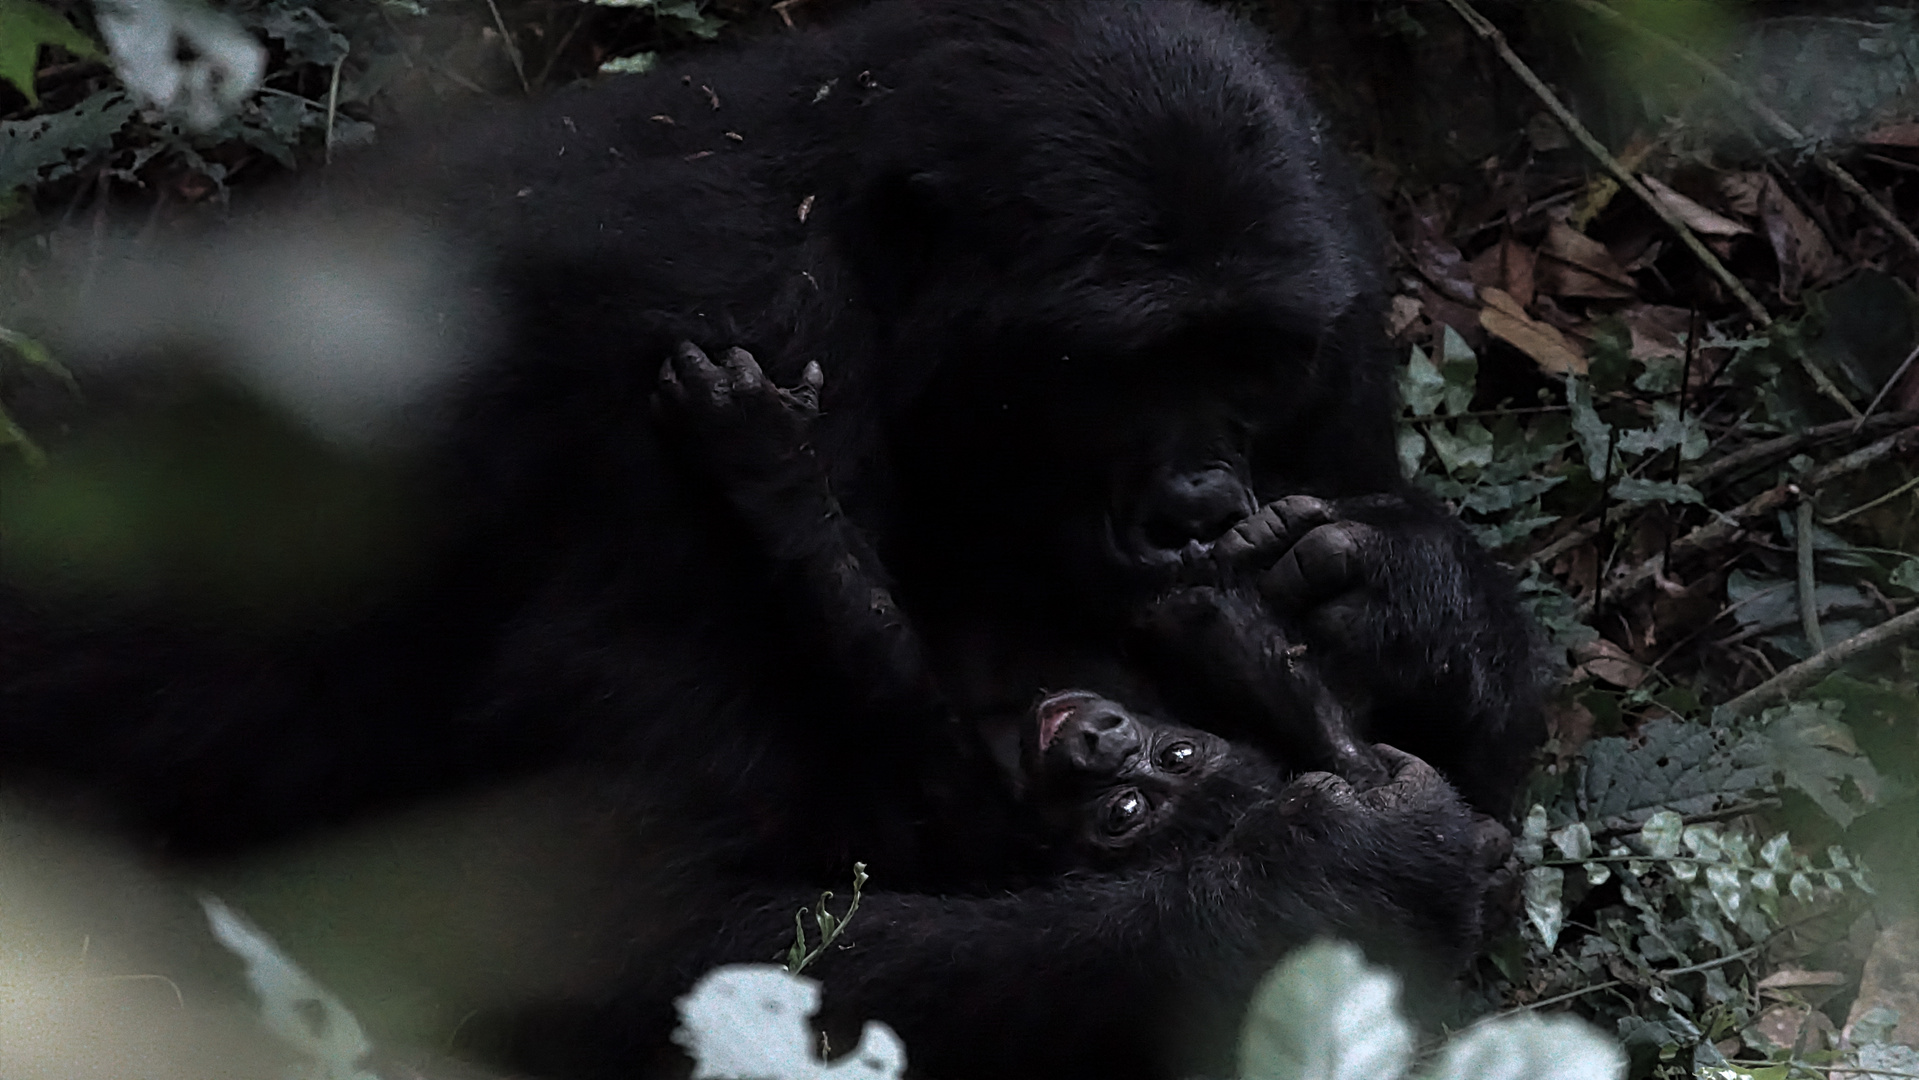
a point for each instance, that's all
(1413, 782)
(1273, 528)
(806, 396)
(1327, 561)
(742, 370)
(693, 369)
(670, 384)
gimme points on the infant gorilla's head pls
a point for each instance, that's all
(1110, 785)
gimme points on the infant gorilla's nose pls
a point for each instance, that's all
(1098, 737)
(1197, 504)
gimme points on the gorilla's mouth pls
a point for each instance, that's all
(1052, 713)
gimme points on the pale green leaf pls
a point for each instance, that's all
(1325, 1014)
(1594, 435)
(1530, 1047)
(1544, 910)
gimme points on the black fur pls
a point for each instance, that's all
(1088, 286)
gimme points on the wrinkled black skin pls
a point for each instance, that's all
(1087, 282)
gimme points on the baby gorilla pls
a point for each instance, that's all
(1112, 787)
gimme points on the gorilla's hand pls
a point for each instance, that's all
(1410, 849)
(740, 423)
(1397, 600)
(747, 434)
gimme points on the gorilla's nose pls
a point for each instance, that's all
(1099, 739)
(1199, 504)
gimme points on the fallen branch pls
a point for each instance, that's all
(1816, 667)
(1485, 29)
(1761, 452)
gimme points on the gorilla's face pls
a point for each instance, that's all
(1110, 784)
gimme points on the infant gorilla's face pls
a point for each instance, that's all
(1109, 783)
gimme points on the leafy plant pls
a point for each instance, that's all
(829, 926)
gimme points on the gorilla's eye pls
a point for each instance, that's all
(1123, 812)
(1178, 757)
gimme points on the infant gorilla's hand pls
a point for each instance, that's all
(742, 427)
(1408, 852)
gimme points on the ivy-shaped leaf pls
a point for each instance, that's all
(1594, 434)
(1325, 1014)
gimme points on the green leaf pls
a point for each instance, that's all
(1325, 1014)
(25, 26)
(1685, 767)
(1470, 447)
(1670, 430)
(1661, 834)
(49, 147)
(1636, 492)
(1906, 576)
(1575, 841)
(1816, 755)
(1421, 386)
(1594, 434)
(1460, 368)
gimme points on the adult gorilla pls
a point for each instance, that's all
(1090, 290)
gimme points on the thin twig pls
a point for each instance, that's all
(1773, 120)
(512, 48)
(1761, 452)
(333, 105)
(1480, 414)
(1890, 383)
(1567, 996)
(1880, 501)
(1816, 667)
(1808, 583)
(1627, 180)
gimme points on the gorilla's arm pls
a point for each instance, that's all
(752, 439)
(1408, 616)
(1107, 974)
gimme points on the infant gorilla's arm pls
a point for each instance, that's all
(1129, 974)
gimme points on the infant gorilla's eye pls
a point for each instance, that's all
(1123, 812)
(1178, 757)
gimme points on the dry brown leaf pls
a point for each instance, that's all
(1697, 218)
(1741, 190)
(1655, 330)
(1903, 134)
(1507, 265)
(1786, 978)
(1790, 1026)
(1571, 725)
(1610, 664)
(1805, 258)
(1505, 319)
(1891, 981)
(1574, 264)
(1405, 312)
